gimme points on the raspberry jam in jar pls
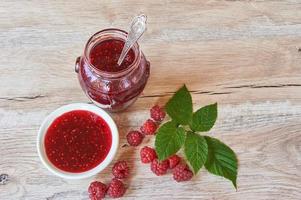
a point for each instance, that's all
(107, 84)
(78, 141)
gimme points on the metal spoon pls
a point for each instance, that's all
(138, 27)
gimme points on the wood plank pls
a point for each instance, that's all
(245, 55)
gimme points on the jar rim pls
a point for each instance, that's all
(111, 33)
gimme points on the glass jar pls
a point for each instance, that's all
(113, 91)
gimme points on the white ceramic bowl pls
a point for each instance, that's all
(58, 112)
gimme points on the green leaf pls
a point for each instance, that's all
(179, 107)
(169, 139)
(195, 150)
(221, 160)
(204, 118)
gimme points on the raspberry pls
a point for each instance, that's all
(159, 168)
(182, 173)
(120, 170)
(134, 138)
(116, 188)
(97, 190)
(173, 160)
(157, 113)
(147, 154)
(149, 127)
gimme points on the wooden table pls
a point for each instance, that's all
(245, 55)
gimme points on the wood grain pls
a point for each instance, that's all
(245, 55)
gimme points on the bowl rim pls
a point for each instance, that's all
(67, 108)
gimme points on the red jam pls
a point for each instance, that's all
(78, 141)
(108, 85)
(104, 56)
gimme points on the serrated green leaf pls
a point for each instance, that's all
(221, 160)
(195, 150)
(179, 107)
(169, 139)
(204, 118)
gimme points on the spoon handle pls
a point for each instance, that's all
(138, 27)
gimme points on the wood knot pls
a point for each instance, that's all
(3, 179)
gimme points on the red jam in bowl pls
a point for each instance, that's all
(78, 141)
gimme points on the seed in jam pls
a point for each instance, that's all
(104, 56)
(77, 141)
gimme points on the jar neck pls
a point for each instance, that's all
(109, 34)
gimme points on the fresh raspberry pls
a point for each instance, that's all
(157, 113)
(159, 168)
(121, 169)
(182, 173)
(147, 154)
(149, 127)
(134, 138)
(173, 160)
(97, 190)
(116, 188)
